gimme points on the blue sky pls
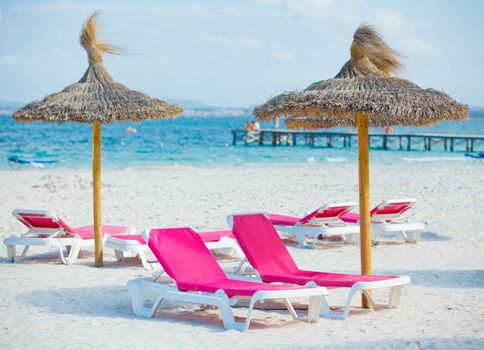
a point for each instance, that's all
(237, 53)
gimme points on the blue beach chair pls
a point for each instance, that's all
(16, 163)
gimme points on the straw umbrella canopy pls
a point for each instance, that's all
(96, 99)
(364, 93)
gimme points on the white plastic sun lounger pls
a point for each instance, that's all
(388, 217)
(270, 258)
(324, 221)
(47, 229)
(197, 278)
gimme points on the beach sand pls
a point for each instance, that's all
(44, 304)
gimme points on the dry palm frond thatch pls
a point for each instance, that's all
(365, 85)
(96, 97)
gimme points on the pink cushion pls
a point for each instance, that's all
(283, 220)
(215, 236)
(269, 256)
(351, 218)
(43, 220)
(234, 287)
(329, 212)
(326, 279)
(387, 209)
(186, 259)
(34, 220)
(391, 208)
(87, 232)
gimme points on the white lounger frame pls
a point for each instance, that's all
(396, 223)
(56, 238)
(140, 286)
(73, 245)
(326, 228)
(133, 247)
(395, 284)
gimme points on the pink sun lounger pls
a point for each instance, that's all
(197, 278)
(266, 252)
(49, 230)
(388, 217)
(135, 245)
(325, 221)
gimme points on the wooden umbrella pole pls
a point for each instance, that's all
(364, 185)
(96, 194)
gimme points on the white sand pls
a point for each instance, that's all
(44, 304)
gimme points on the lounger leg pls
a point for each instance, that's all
(239, 266)
(339, 315)
(344, 239)
(237, 249)
(119, 255)
(303, 243)
(394, 299)
(314, 308)
(73, 254)
(223, 305)
(137, 301)
(291, 310)
(144, 261)
(416, 236)
(11, 251)
(313, 242)
(404, 234)
(24, 252)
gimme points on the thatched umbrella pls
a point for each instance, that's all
(364, 93)
(96, 99)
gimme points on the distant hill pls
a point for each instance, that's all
(200, 109)
(476, 109)
(188, 104)
(8, 107)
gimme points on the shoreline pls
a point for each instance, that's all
(337, 160)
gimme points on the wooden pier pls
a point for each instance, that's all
(409, 142)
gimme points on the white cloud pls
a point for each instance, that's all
(414, 46)
(9, 59)
(56, 6)
(197, 8)
(389, 19)
(242, 42)
(284, 56)
(161, 60)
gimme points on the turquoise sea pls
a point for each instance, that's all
(194, 141)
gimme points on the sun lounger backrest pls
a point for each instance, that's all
(262, 245)
(328, 213)
(184, 256)
(392, 208)
(39, 219)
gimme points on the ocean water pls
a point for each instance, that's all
(195, 141)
